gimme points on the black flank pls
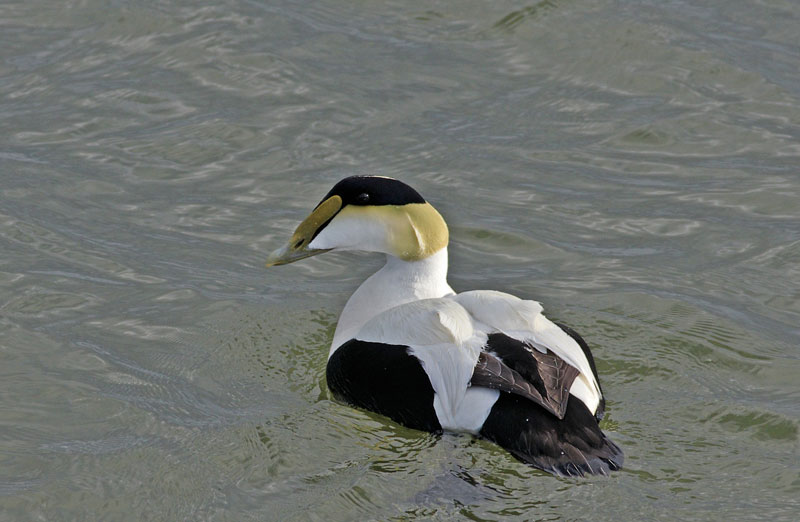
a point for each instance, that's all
(386, 379)
(573, 446)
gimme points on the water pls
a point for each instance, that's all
(633, 165)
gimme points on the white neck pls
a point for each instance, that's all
(396, 283)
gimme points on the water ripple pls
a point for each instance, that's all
(632, 166)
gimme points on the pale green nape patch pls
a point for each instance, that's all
(414, 231)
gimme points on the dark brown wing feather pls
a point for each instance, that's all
(512, 366)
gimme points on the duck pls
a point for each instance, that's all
(481, 362)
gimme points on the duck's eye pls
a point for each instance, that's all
(363, 198)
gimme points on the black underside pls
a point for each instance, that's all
(386, 379)
(572, 446)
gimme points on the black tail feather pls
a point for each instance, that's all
(573, 446)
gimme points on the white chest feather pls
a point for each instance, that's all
(398, 282)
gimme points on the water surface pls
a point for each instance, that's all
(632, 165)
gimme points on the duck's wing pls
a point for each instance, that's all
(531, 345)
(550, 402)
(601, 407)
(511, 366)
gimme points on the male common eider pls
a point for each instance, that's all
(483, 362)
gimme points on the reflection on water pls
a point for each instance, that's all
(632, 166)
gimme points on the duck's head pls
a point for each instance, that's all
(369, 213)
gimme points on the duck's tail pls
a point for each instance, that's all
(572, 446)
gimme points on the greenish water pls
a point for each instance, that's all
(633, 165)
